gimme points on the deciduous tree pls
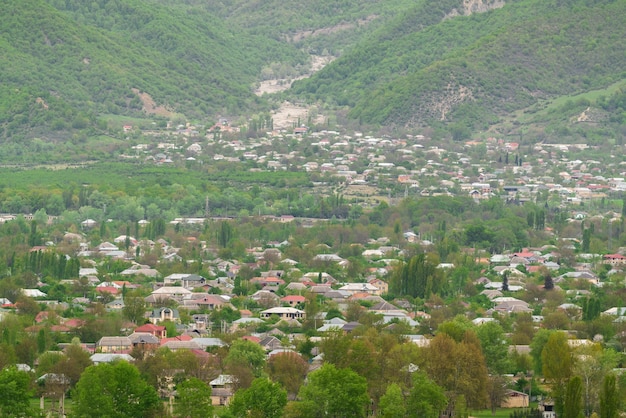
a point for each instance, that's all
(263, 399)
(609, 397)
(391, 404)
(573, 402)
(334, 392)
(289, 369)
(15, 393)
(426, 399)
(117, 390)
(193, 399)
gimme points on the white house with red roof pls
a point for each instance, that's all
(614, 259)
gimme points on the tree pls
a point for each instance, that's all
(118, 391)
(193, 399)
(263, 399)
(334, 392)
(15, 393)
(536, 348)
(497, 391)
(225, 234)
(556, 359)
(75, 361)
(609, 397)
(495, 347)
(134, 309)
(592, 364)
(245, 361)
(426, 399)
(417, 278)
(289, 369)
(458, 367)
(391, 404)
(548, 283)
(573, 403)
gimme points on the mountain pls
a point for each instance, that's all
(458, 66)
(65, 63)
(441, 64)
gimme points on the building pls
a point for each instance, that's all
(283, 313)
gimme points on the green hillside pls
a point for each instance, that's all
(69, 66)
(64, 66)
(473, 70)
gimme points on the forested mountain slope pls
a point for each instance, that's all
(461, 65)
(65, 65)
(430, 67)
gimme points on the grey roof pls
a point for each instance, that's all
(177, 345)
(143, 338)
(205, 342)
(114, 341)
(109, 357)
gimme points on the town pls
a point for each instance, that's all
(392, 252)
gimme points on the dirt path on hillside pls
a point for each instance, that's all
(289, 113)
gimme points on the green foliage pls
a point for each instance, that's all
(193, 399)
(16, 390)
(391, 404)
(247, 353)
(118, 391)
(426, 398)
(497, 56)
(495, 347)
(556, 358)
(335, 392)
(609, 397)
(263, 398)
(573, 399)
(417, 278)
(92, 55)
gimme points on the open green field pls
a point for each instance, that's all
(500, 413)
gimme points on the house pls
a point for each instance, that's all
(188, 281)
(283, 313)
(205, 300)
(99, 358)
(271, 343)
(546, 407)
(113, 345)
(515, 399)
(361, 287)
(221, 390)
(144, 341)
(293, 300)
(171, 292)
(614, 259)
(268, 283)
(152, 329)
(164, 314)
(381, 285)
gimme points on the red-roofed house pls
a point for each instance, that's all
(108, 289)
(293, 300)
(251, 338)
(614, 259)
(178, 338)
(528, 255)
(156, 330)
(270, 283)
